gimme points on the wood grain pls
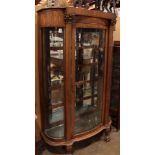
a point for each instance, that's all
(109, 73)
(52, 18)
(77, 17)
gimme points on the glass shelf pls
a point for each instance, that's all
(87, 118)
(56, 115)
(55, 132)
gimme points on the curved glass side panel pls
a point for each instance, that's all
(53, 55)
(89, 71)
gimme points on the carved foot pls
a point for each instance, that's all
(107, 138)
(107, 135)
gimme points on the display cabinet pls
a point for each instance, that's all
(75, 61)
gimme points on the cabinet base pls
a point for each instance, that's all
(69, 149)
(69, 144)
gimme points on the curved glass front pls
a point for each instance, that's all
(53, 59)
(89, 71)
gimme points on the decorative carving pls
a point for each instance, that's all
(113, 22)
(107, 135)
(68, 18)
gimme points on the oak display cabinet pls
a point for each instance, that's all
(75, 62)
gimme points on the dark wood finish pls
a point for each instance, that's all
(70, 19)
(40, 64)
(115, 88)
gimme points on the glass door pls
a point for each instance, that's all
(53, 65)
(89, 72)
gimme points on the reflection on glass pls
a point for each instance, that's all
(89, 56)
(53, 42)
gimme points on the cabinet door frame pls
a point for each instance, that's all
(95, 26)
(43, 84)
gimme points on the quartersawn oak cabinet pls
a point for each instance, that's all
(75, 63)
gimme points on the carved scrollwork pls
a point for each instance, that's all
(68, 18)
(113, 22)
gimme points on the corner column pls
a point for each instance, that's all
(68, 80)
(109, 69)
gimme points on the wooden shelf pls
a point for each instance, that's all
(56, 48)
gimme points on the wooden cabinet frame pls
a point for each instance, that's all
(70, 19)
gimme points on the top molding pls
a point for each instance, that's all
(84, 12)
(91, 13)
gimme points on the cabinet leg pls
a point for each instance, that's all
(107, 135)
(69, 149)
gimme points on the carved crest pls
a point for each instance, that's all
(68, 18)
